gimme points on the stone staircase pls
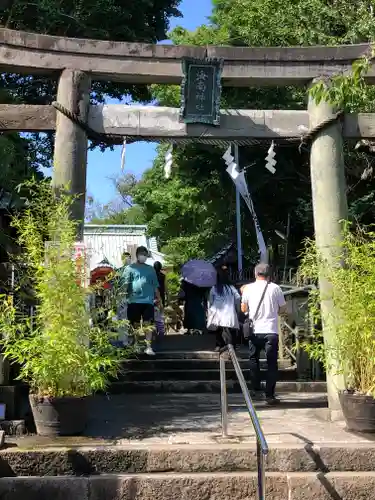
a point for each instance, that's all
(160, 438)
(176, 371)
(224, 472)
(188, 364)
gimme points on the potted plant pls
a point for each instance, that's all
(351, 352)
(61, 356)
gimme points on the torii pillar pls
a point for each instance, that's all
(329, 207)
(70, 158)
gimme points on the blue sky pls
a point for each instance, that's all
(102, 167)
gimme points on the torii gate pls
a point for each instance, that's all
(78, 61)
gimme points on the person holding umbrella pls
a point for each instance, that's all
(198, 276)
(195, 299)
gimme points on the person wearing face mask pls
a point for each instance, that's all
(122, 308)
(141, 292)
(126, 259)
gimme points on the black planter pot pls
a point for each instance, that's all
(59, 416)
(359, 411)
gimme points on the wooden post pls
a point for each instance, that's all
(70, 159)
(329, 208)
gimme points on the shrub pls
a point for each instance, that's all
(351, 351)
(173, 284)
(61, 355)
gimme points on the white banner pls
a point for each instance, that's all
(240, 183)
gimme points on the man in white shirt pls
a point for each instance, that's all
(263, 306)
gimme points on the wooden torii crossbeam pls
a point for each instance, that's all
(75, 63)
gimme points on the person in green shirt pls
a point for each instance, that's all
(141, 291)
(122, 306)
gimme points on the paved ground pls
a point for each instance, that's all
(162, 419)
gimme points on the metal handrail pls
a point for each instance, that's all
(262, 446)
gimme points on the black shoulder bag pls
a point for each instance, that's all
(249, 328)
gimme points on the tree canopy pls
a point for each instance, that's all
(140, 21)
(121, 210)
(131, 21)
(193, 213)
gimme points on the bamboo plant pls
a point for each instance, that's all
(60, 354)
(352, 278)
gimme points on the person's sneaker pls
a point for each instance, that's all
(272, 400)
(257, 395)
(149, 351)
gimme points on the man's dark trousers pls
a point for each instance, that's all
(270, 343)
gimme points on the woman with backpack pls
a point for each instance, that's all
(224, 304)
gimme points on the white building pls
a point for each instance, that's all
(110, 241)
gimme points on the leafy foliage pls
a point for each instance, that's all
(301, 22)
(140, 21)
(17, 164)
(174, 209)
(122, 209)
(59, 354)
(186, 212)
(173, 285)
(348, 92)
(16, 153)
(351, 349)
(143, 21)
(113, 215)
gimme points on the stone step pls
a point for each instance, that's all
(202, 386)
(187, 459)
(177, 342)
(156, 364)
(224, 486)
(192, 375)
(208, 355)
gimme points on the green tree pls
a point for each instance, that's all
(131, 21)
(110, 214)
(18, 156)
(301, 22)
(121, 210)
(18, 163)
(187, 211)
(193, 212)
